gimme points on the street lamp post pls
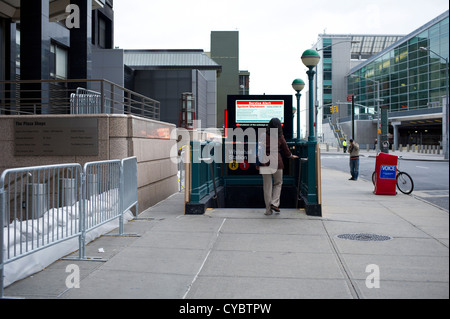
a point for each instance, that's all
(310, 59)
(298, 85)
(446, 102)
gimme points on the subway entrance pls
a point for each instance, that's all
(225, 172)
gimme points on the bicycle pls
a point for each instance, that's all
(405, 183)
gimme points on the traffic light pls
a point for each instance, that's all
(334, 109)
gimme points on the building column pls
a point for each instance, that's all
(445, 117)
(396, 125)
(80, 66)
(34, 54)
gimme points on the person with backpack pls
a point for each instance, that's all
(271, 164)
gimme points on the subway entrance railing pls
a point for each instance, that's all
(44, 206)
(221, 176)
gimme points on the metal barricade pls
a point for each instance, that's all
(88, 102)
(43, 206)
(102, 202)
(37, 211)
(129, 184)
(129, 194)
(109, 191)
(101, 199)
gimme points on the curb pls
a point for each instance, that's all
(403, 158)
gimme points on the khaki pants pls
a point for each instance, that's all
(272, 192)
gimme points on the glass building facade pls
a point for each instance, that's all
(412, 82)
(340, 53)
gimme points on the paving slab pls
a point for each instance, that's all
(218, 287)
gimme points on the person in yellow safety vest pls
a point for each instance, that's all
(344, 145)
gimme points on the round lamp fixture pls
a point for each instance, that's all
(298, 85)
(310, 58)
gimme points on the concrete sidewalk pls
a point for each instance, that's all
(230, 253)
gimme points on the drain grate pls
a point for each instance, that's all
(364, 237)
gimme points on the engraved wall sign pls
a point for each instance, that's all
(56, 137)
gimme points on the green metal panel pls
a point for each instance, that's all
(202, 179)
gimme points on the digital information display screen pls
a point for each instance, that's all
(256, 111)
(248, 111)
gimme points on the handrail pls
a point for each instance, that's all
(30, 97)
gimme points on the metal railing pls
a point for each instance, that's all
(81, 96)
(44, 206)
(87, 102)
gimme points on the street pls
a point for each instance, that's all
(431, 178)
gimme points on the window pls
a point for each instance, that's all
(327, 89)
(102, 33)
(58, 62)
(18, 48)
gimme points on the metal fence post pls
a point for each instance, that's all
(121, 194)
(129, 103)
(82, 203)
(2, 217)
(102, 93)
(125, 202)
(113, 104)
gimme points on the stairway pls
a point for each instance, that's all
(338, 132)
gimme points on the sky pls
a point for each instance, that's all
(273, 34)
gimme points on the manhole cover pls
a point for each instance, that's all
(364, 237)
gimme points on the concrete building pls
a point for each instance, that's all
(166, 74)
(225, 52)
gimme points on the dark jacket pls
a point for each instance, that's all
(283, 150)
